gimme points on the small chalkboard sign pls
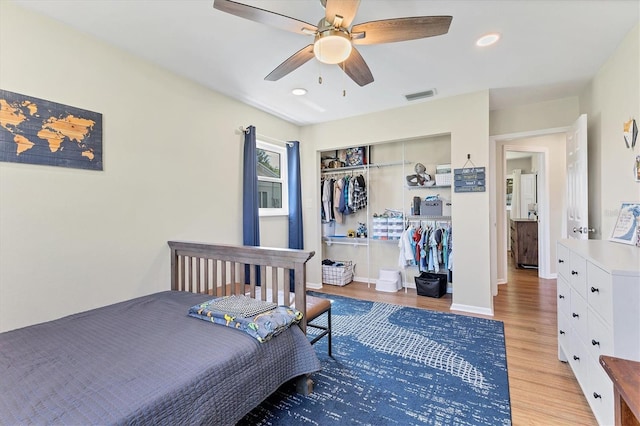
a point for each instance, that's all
(470, 179)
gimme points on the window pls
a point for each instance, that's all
(272, 179)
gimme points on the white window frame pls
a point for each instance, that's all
(283, 180)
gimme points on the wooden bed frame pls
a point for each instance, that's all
(221, 270)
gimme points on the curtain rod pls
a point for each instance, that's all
(265, 138)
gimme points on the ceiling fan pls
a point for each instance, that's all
(333, 40)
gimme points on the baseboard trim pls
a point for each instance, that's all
(314, 286)
(471, 309)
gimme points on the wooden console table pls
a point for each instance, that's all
(625, 376)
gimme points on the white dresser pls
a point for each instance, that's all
(598, 313)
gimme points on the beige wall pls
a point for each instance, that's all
(612, 98)
(523, 164)
(466, 119)
(72, 239)
(532, 117)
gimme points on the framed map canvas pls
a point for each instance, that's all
(36, 131)
(628, 224)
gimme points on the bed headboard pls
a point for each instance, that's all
(221, 270)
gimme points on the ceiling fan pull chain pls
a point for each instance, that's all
(344, 90)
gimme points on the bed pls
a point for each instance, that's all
(144, 361)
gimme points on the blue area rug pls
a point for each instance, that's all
(395, 365)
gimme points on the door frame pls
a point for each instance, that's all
(498, 187)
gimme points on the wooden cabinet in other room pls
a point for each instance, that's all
(524, 242)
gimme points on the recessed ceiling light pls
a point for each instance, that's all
(488, 39)
(299, 91)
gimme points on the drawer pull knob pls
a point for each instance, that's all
(595, 342)
(597, 395)
(575, 315)
(560, 261)
(562, 332)
(574, 272)
(595, 290)
(576, 358)
(560, 296)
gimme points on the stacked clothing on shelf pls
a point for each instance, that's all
(342, 196)
(428, 246)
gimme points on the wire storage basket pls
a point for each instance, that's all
(340, 273)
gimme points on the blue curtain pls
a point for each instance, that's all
(296, 234)
(250, 204)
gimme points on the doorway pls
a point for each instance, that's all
(547, 150)
(521, 173)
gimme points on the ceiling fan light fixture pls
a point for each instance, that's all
(299, 91)
(488, 39)
(332, 46)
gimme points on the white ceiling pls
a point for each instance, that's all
(548, 50)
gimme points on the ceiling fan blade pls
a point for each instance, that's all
(294, 61)
(347, 9)
(264, 17)
(400, 29)
(356, 68)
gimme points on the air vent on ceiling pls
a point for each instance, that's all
(420, 95)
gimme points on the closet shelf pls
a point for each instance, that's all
(410, 188)
(343, 169)
(428, 217)
(362, 167)
(389, 240)
(390, 163)
(345, 241)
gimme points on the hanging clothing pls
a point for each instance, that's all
(340, 197)
(359, 193)
(326, 199)
(406, 251)
(428, 247)
(338, 187)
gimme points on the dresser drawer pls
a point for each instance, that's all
(564, 335)
(579, 361)
(600, 337)
(563, 261)
(564, 296)
(599, 294)
(578, 273)
(600, 394)
(578, 315)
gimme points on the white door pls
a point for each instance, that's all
(527, 193)
(577, 181)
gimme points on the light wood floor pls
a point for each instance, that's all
(543, 390)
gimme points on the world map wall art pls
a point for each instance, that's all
(36, 131)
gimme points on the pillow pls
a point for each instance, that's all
(261, 320)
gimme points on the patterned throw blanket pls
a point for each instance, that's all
(261, 320)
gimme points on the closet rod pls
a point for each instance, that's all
(241, 130)
(337, 173)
